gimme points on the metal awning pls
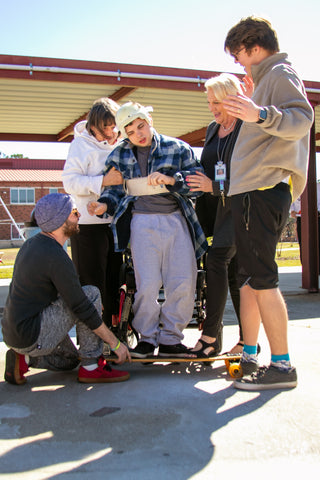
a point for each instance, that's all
(41, 99)
(30, 176)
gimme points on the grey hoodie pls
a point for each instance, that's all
(267, 153)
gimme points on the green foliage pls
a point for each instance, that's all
(14, 155)
(6, 272)
(17, 155)
(287, 255)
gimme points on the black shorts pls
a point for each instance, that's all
(259, 218)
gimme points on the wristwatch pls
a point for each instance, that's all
(262, 115)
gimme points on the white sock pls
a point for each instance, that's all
(91, 367)
(283, 365)
(246, 357)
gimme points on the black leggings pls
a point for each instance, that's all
(97, 264)
(221, 273)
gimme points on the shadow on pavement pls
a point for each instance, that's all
(143, 429)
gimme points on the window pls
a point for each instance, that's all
(22, 195)
(54, 190)
(14, 232)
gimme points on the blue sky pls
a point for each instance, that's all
(177, 33)
(174, 33)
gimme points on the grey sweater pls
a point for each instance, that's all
(267, 153)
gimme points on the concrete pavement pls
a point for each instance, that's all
(176, 421)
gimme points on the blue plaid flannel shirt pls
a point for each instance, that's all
(169, 156)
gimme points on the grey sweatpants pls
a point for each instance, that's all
(163, 254)
(54, 349)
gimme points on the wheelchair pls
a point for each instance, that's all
(124, 330)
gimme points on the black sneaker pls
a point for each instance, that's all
(248, 367)
(142, 350)
(268, 378)
(177, 350)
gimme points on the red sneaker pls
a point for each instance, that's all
(102, 374)
(16, 367)
(101, 361)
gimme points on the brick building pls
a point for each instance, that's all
(22, 182)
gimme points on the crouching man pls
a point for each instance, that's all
(46, 300)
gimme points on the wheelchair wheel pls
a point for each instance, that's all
(199, 314)
(132, 339)
(127, 334)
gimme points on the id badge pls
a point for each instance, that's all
(220, 171)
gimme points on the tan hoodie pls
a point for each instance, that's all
(267, 153)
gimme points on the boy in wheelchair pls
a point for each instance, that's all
(153, 211)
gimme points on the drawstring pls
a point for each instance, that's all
(246, 210)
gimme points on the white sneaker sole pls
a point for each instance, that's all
(262, 386)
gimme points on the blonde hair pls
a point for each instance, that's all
(223, 85)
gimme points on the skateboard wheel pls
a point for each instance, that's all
(206, 363)
(235, 370)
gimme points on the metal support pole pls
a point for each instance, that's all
(13, 220)
(309, 224)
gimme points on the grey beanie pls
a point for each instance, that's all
(52, 210)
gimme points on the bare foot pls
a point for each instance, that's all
(203, 348)
(237, 348)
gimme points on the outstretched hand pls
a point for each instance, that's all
(123, 354)
(118, 348)
(96, 208)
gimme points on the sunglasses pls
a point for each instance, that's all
(75, 212)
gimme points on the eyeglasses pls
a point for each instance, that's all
(75, 212)
(236, 55)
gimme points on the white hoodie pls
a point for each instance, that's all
(83, 171)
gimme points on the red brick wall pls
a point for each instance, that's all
(21, 213)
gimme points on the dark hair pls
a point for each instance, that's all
(102, 113)
(249, 32)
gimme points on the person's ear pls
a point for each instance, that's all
(256, 50)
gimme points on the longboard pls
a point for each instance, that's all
(232, 362)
